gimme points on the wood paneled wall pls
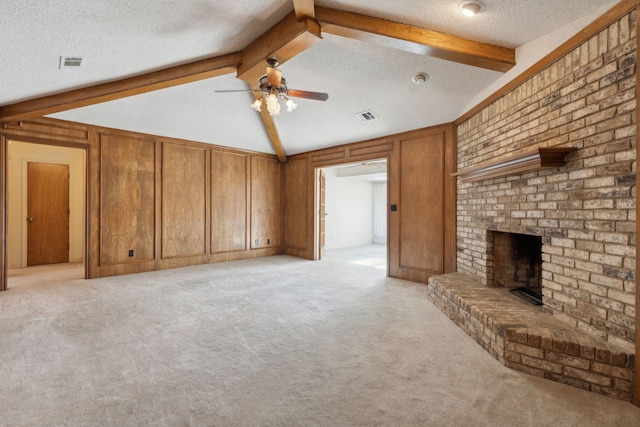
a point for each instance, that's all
(423, 228)
(266, 206)
(128, 211)
(298, 212)
(184, 202)
(156, 203)
(421, 215)
(177, 203)
(230, 189)
(3, 213)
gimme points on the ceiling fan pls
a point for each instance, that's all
(274, 89)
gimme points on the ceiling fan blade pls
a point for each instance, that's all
(274, 76)
(317, 96)
(238, 90)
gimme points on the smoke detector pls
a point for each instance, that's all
(420, 78)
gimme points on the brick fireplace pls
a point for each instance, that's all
(583, 214)
(584, 211)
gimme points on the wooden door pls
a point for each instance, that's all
(321, 212)
(47, 213)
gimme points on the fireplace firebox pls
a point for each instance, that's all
(517, 264)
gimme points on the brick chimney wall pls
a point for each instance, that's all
(585, 210)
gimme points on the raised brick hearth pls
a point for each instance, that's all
(523, 337)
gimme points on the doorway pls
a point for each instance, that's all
(46, 192)
(353, 212)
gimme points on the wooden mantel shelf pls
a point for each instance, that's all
(543, 157)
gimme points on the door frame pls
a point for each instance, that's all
(322, 211)
(316, 200)
(7, 136)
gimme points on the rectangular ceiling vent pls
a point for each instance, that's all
(367, 116)
(73, 62)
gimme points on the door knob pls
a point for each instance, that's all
(30, 219)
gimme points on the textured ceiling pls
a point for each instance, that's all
(508, 23)
(120, 38)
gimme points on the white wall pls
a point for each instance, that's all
(379, 212)
(19, 154)
(349, 208)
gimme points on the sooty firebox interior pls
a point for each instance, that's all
(517, 264)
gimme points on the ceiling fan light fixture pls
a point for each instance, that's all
(274, 89)
(274, 76)
(273, 105)
(257, 105)
(471, 7)
(291, 105)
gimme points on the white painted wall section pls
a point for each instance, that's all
(349, 220)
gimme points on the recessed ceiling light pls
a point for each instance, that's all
(471, 7)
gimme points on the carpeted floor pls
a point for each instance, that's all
(277, 341)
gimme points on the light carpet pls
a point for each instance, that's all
(276, 341)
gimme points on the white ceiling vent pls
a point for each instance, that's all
(366, 116)
(71, 62)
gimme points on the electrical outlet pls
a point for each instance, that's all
(257, 242)
(130, 252)
(268, 241)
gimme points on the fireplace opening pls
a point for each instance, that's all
(517, 265)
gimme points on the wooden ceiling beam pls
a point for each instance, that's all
(270, 126)
(415, 39)
(130, 86)
(304, 8)
(283, 41)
